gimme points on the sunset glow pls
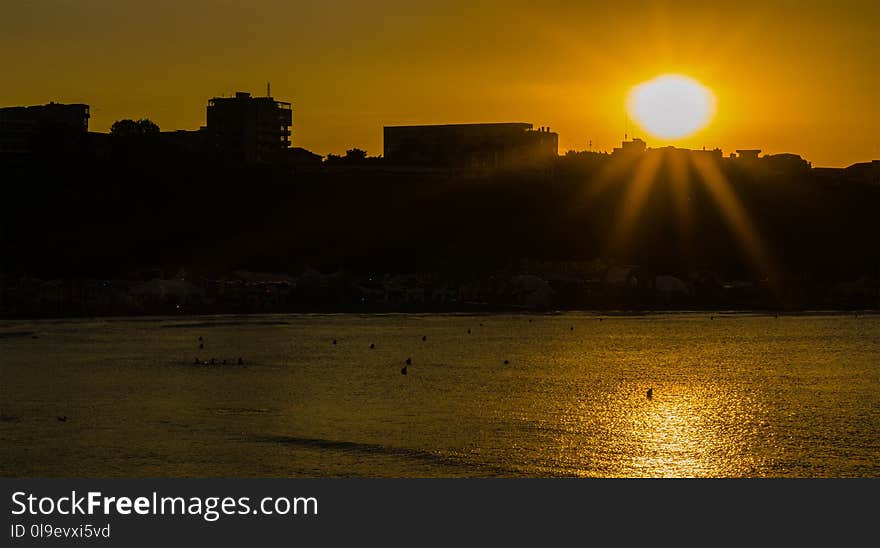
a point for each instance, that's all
(417, 63)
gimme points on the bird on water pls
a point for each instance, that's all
(650, 393)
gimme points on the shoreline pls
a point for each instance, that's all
(599, 313)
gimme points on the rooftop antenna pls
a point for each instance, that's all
(268, 89)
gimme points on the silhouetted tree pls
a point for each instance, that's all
(355, 154)
(352, 156)
(132, 128)
(135, 141)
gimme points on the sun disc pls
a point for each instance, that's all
(671, 106)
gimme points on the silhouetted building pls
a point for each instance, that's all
(54, 124)
(748, 154)
(864, 172)
(686, 153)
(785, 162)
(248, 129)
(630, 148)
(776, 162)
(637, 148)
(470, 145)
(713, 153)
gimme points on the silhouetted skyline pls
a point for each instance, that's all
(248, 129)
(788, 76)
(470, 217)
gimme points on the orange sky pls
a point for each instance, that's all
(789, 76)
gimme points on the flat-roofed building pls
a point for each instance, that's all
(500, 145)
(55, 123)
(786, 162)
(748, 154)
(864, 172)
(248, 129)
(630, 148)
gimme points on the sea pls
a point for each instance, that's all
(442, 395)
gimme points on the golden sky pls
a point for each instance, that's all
(789, 76)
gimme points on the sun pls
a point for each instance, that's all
(671, 106)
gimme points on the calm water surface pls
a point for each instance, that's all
(733, 395)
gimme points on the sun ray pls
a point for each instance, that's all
(636, 195)
(735, 216)
(611, 171)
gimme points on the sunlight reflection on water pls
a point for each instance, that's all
(741, 395)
